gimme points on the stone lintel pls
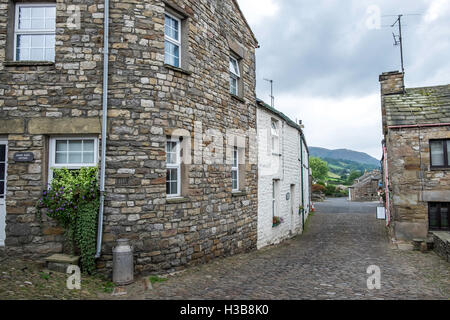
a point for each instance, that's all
(65, 126)
(11, 126)
(436, 196)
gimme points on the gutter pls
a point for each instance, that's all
(303, 190)
(104, 131)
(424, 125)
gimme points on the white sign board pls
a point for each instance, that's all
(381, 213)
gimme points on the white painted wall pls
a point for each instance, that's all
(285, 168)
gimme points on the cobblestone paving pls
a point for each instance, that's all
(329, 261)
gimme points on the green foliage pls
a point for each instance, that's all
(154, 279)
(319, 168)
(73, 201)
(353, 176)
(108, 287)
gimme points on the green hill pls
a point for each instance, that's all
(344, 154)
(350, 163)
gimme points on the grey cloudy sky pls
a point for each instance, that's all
(325, 57)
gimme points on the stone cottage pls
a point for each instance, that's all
(178, 84)
(283, 177)
(365, 187)
(416, 128)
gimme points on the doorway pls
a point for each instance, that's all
(3, 173)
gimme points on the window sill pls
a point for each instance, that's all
(27, 63)
(237, 98)
(440, 169)
(239, 193)
(177, 200)
(183, 71)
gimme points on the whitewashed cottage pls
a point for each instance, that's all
(283, 177)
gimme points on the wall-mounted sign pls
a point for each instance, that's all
(23, 156)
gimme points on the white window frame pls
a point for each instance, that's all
(235, 169)
(275, 135)
(71, 166)
(234, 75)
(177, 166)
(174, 41)
(274, 198)
(18, 32)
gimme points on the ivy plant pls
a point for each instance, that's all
(73, 199)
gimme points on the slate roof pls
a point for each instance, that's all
(424, 105)
(367, 178)
(288, 120)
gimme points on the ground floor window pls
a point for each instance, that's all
(438, 215)
(173, 163)
(235, 170)
(72, 153)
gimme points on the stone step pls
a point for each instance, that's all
(60, 262)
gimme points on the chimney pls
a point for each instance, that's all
(392, 83)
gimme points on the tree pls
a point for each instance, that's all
(319, 168)
(353, 176)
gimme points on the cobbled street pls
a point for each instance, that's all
(329, 261)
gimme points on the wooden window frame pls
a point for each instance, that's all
(439, 205)
(445, 150)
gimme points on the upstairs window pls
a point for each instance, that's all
(440, 153)
(235, 170)
(173, 163)
(235, 75)
(172, 44)
(438, 216)
(275, 137)
(34, 32)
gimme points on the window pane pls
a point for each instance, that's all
(171, 28)
(61, 145)
(437, 153)
(37, 12)
(172, 152)
(234, 176)
(444, 216)
(234, 67)
(75, 157)
(37, 24)
(2, 171)
(88, 145)
(75, 145)
(172, 54)
(2, 188)
(61, 158)
(233, 86)
(448, 152)
(2, 152)
(37, 54)
(88, 157)
(434, 216)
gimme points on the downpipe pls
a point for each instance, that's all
(104, 129)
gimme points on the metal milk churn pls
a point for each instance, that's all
(123, 266)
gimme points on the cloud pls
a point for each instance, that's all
(257, 11)
(325, 57)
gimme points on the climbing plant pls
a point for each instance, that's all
(73, 200)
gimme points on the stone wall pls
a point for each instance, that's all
(285, 169)
(147, 101)
(408, 151)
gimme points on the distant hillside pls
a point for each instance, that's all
(344, 154)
